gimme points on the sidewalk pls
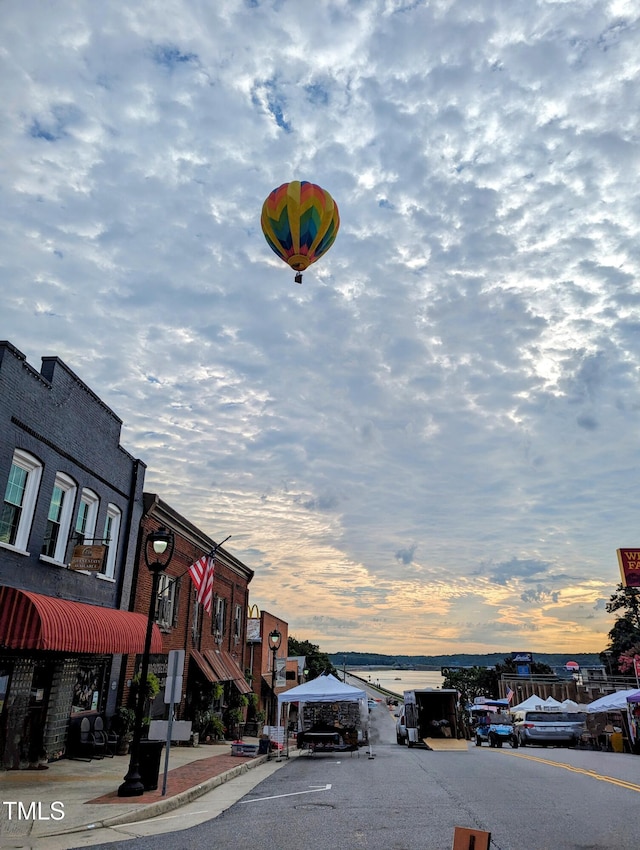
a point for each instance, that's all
(75, 796)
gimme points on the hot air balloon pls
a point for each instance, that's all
(300, 222)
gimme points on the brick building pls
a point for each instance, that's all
(65, 480)
(215, 644)
(288, 672)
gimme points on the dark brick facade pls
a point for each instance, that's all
(54, 417)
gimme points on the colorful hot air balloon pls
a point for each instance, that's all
(300, 222)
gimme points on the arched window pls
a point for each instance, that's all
(87, 515)
(111, 536)
(20, 497)
(56, 537)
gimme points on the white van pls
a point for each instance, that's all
(549, 727)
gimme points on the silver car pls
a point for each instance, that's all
(549, 727)
(401, 727)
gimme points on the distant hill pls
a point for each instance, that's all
(463, 659)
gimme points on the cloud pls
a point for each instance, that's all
(540, 596)
(459, 371)
(405, 556)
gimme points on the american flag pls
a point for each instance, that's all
(509, 695)
(201, 573)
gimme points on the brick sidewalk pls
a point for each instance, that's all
(180, 779)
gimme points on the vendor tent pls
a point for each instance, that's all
(571, 706)
(323, 689)
(536, 703)
(614, 702)
(532, 703)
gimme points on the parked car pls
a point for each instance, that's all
(401, 728)
(496, 733)
(549, 727)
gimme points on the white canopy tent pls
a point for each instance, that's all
(572, 707)
(532, 703)
(612, 702)
(622, 701)
(325, 688)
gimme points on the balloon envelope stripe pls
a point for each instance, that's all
(300, 222)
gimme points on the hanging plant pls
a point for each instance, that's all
(152, 688)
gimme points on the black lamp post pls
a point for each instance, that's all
(274, 642)
(158, 551)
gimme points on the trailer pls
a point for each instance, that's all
(431, 718)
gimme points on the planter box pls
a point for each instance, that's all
(239, 748)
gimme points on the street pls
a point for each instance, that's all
(411, 799)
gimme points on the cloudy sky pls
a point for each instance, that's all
(432, 444)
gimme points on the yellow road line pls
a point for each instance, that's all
(620, 782)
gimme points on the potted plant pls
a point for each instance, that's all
(216, 727)
(252, 721)
(122, 724)
(200, 726)
(235, 715)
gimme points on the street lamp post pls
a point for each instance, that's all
(158, 551)
(274, 642)
(607, 654)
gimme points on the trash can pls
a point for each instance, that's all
(149, 757)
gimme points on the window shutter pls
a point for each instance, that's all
(176, 603)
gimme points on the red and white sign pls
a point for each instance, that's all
(573, 666)
(629, 561)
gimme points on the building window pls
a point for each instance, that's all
(87, 515)
(111, 534)
(218, 621)
(90, 687)
(237, 624)
(167, 601)
(56, 535)
(196, 619)
(20, 500)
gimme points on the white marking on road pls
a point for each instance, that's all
(313, 790)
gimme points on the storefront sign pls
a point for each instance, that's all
(253, 630)
(281, 672)
(629, 561)
(253, 624)
(90, 558)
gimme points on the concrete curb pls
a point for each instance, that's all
(159, 807)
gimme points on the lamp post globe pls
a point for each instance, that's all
(158, 551)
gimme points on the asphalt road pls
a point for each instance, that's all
(412, 799)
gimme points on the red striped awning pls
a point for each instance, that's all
(227, 669)
(204, 666)
(33, 621)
